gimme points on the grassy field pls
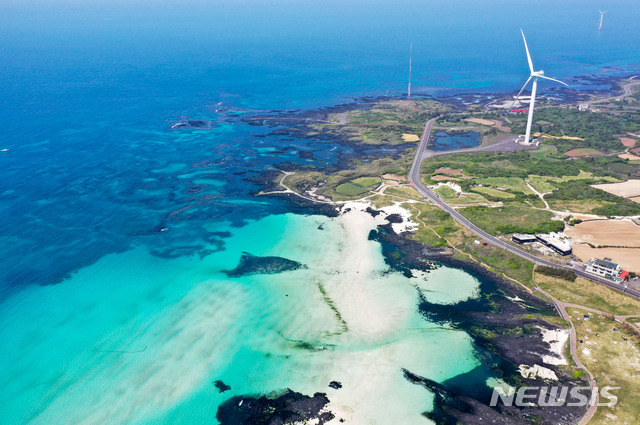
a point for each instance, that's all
(358, 186)
(514, 184)
(585, 206)
(446, 192)
(496, 193)
(612, 356)
(437, 228)
(500, 261)
(429, 218)
(468, 199)
(492, 219)
(544, 151)
(541, 184)
(589, 294)
(403, 192)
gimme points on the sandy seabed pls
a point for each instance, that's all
(136, 339)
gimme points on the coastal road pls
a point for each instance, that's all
(416, 182)
(626, 91)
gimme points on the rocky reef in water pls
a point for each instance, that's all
(252, 264)
(506, 325)
(193, 124)
(288, 408)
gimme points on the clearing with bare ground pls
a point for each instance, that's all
(480, 121)
(629, 156)
(628, 189)
(578, 152)
(628, 141)
(501, 127)
(451, 172)
(628, 258)
(395, 177)
(410, 137)
(605, 232)
(441, 178)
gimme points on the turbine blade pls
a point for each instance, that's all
(527, 49)
(518, 95)
(553, 79)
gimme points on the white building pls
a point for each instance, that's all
(605, 268)
(553, 241)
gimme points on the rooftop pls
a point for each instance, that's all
(604, 263)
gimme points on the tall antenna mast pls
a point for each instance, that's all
(410, 57)
(601, 16)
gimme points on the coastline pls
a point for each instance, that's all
(404, 254)
(499, 318)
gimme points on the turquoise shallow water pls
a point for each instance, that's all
(149, 348)
(114, 228)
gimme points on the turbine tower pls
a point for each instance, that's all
(601, 16)
(410, 57)
(534, 75)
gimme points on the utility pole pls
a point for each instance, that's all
(410, 57)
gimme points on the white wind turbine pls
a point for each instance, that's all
(601, 16)
(534, 75)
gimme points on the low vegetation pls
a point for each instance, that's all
(494, 193)
(587, 293)
(513, 184)
(559, 273)
(610, 351)
(609, 205)
(383, 123)
(358, 186)
(597, 131)
(512, 220)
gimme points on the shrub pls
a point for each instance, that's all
(559, 273)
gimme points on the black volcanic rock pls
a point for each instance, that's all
(221, 386)
(288, 408)
(394, 218)
(197, 124)
(335, 385)
(252, 264)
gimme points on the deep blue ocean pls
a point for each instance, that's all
(90, 89)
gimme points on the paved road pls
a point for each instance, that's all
(414, 179)
(626, 92)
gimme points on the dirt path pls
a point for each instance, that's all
(561, 307)
(540, 195)
(288, 190)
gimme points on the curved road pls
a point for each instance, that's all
(626, 91)
(414, 179)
